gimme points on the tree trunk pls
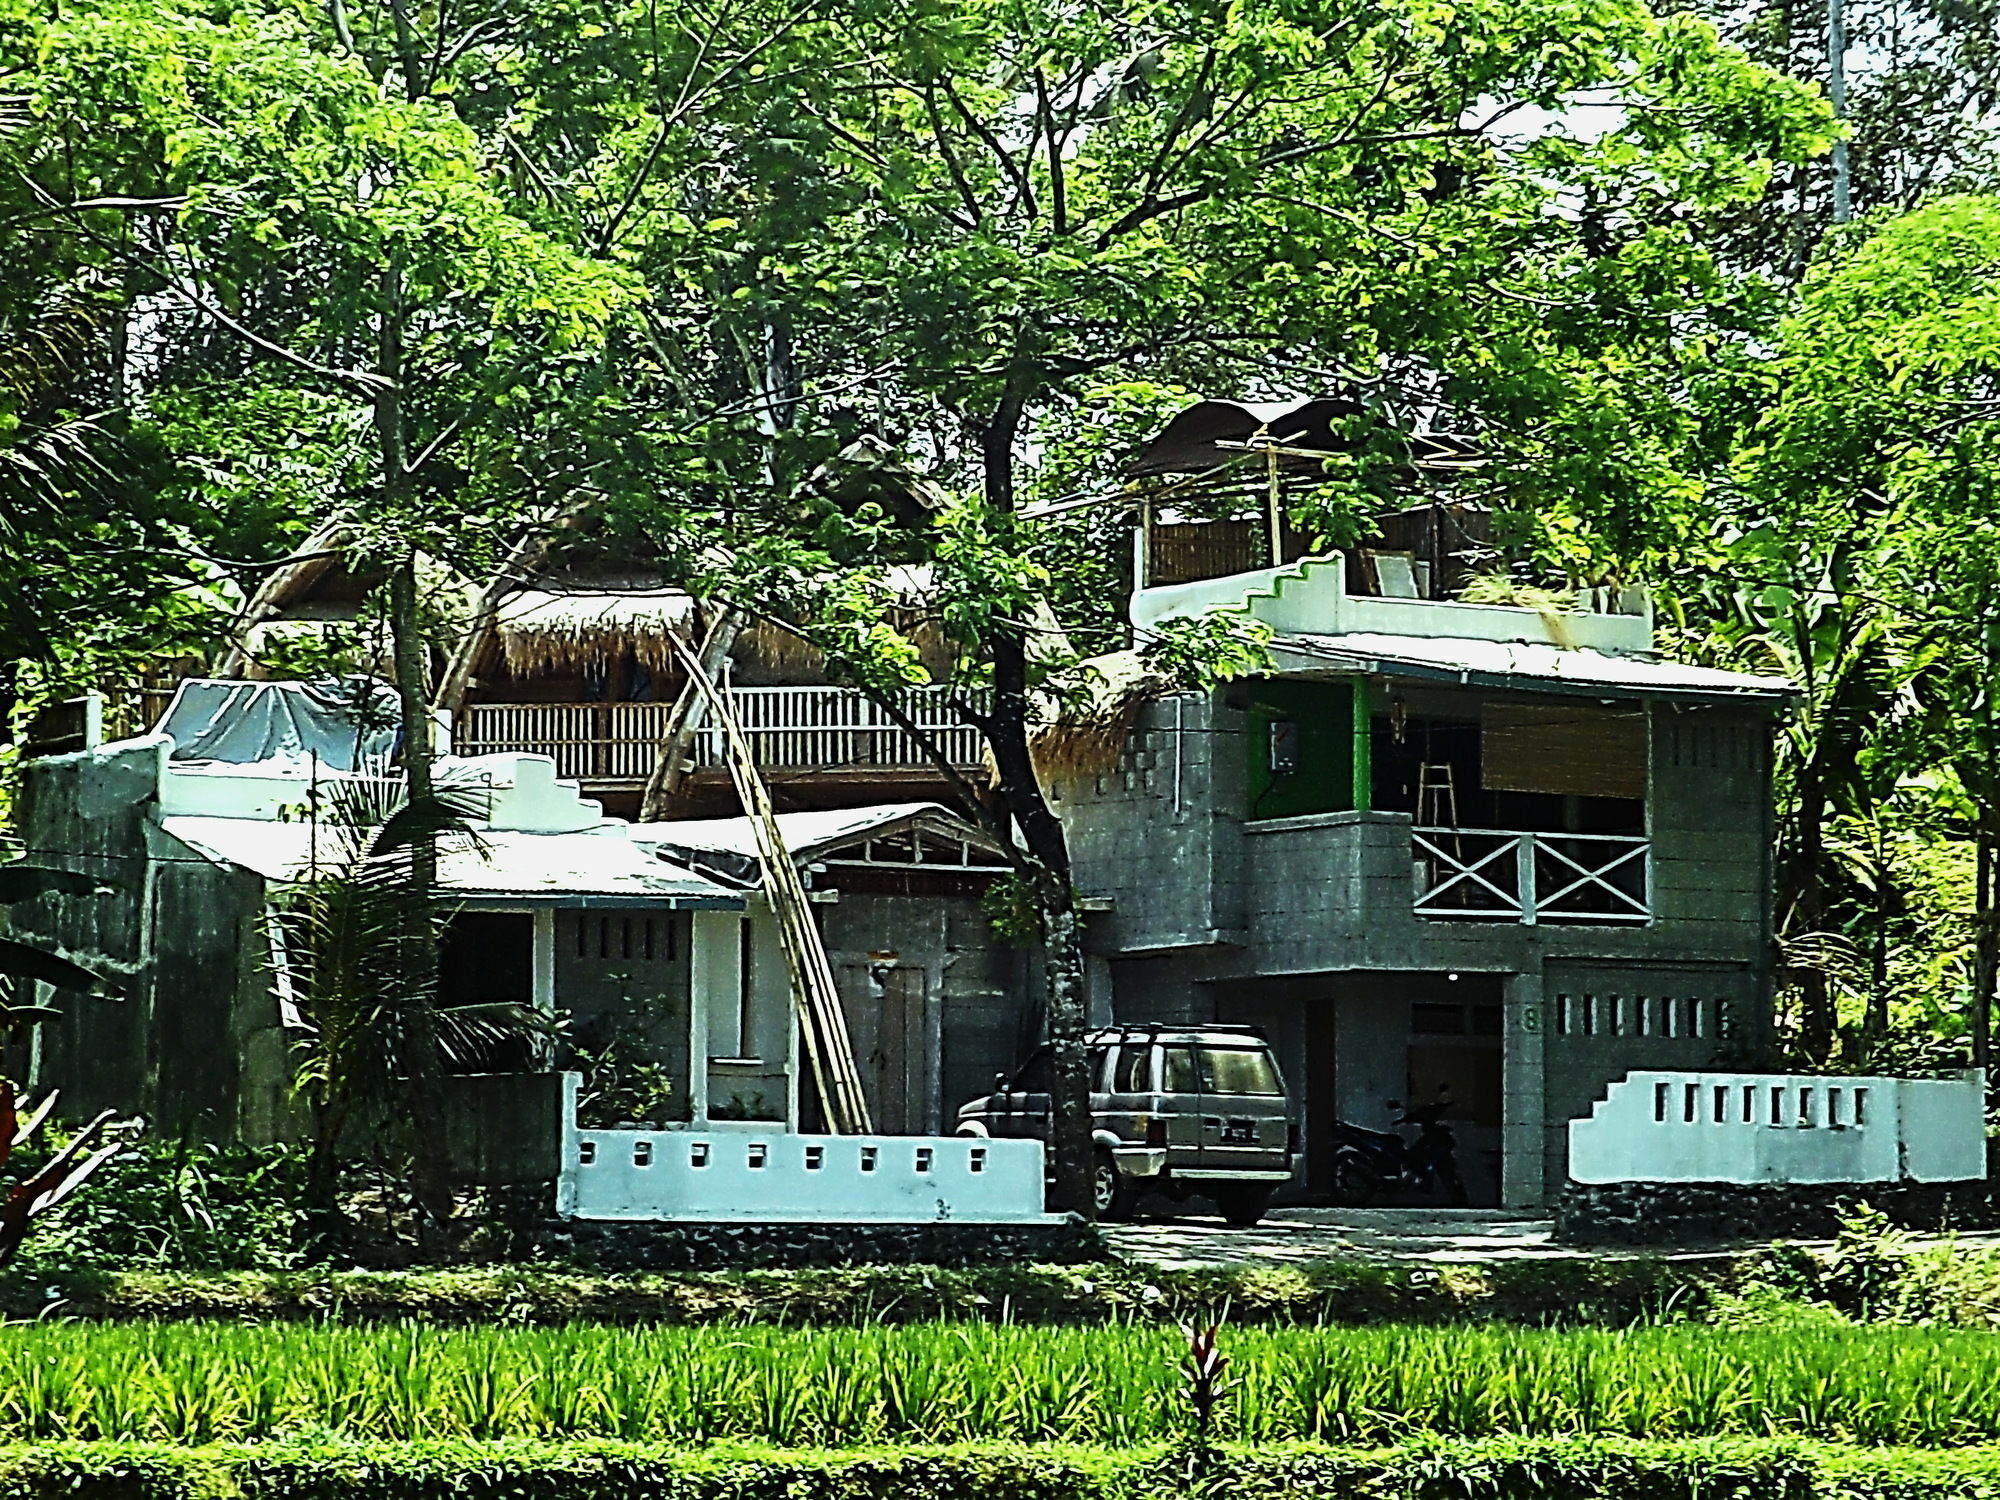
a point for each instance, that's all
(1986, 934)
(1041, 831)
(422, 1065)
(1816, 1017)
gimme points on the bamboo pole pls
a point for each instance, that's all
(816, 999)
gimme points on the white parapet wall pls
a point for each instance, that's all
(1309, 597)
(736, 1174)
(1774, 1128)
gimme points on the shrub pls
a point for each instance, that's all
(1516, 1470)
(178, 1205)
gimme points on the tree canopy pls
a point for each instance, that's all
(793, 294)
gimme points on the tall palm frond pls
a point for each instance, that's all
(22, 881)
(369, 1002)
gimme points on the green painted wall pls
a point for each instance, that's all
(1332, 774)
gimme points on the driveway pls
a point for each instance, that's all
(1295, 1236)
(1298, 1236)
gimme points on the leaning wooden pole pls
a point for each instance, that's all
(815, 997)
(671, 762)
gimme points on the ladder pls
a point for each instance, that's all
(1437, 795)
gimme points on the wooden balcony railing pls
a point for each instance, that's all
(1483, 874)
(790, 729)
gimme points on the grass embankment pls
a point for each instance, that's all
(1606, 1291)
(1518, 1469)
(1119, 1386)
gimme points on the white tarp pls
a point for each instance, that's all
(345, 723)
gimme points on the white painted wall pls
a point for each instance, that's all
(522, 793)
(1310, 597)
(1767, 1127)
(751, 1175)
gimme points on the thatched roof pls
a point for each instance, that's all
(543, 629)
(1086, 729)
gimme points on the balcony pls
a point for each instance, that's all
(1478, 874)
(791, 730)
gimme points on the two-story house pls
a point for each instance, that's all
(1502, 850)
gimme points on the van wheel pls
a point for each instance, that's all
(1110, 1189)
(1243, 1204)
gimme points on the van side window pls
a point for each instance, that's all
(1131, 1074)
(1179, 1070)
(1239, 1070)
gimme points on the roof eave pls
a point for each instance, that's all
(1528, 682)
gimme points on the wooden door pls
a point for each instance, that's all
(888, 1015)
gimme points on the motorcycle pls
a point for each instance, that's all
(1369, 1163)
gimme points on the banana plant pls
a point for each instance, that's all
(21, 881)
(29, 1195)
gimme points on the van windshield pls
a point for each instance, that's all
(1238, 1070)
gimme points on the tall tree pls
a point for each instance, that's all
(303, 218)
(1878, 443)
(974, 216)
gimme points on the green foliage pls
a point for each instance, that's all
(1208, 649)
(1012, 909)
(1871, 1274)
(1583, 1291)
(619, 1089)
(177, 1205)
(196, 1383)
(314, 1467)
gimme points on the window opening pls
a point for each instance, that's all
(1238, 1070)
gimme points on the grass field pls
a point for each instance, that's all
(205, 1382)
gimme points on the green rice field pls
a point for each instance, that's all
(197, 1383)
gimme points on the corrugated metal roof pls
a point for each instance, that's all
(1523, 666)
(502, 869)
(728, 846)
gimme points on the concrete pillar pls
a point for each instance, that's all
(543, 961)
(1523, 1094)
(1097, 988)
(715, 994)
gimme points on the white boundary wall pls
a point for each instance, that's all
(760, 1174)
(1768, 1127)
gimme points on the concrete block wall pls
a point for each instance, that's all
(1782, 1128)
(751, 1175)
(1709, 818)
(1147, 833)
(180, 937)
(1601, 1021)
(1184, 869)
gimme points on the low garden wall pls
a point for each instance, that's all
(1685, 1213)
(1712, 1127)
(763, 1174)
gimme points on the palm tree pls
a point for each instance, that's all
(381, 1042)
